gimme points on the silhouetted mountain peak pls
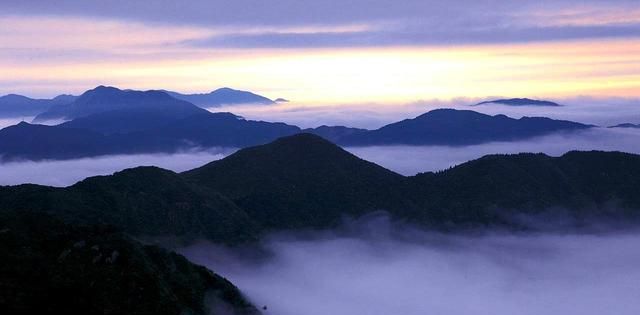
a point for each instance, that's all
(458, 127)
(222, 96)
(303, 139)
(109, 93)
(104, 99)
(286, 154)
(142, 171)
(14, 97)
(448, 113)
(295, 170)
(520, 102)
(302, 147)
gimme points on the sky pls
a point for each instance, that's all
(325, 52)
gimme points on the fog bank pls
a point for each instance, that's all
(381, 269)
(68, 172)
(410, 160)
(589, 110)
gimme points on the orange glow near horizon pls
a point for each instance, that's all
(139, 57)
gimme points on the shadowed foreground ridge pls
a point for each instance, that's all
(51, 267)
(304, 181)
(301, 181)
(576, 189)
(147, 201)
(294, 183)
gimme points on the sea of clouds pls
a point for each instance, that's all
(376, 267)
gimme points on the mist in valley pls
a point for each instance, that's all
(410, 160)
(406, 160)
(62, 173)
(374, 266)
(599, 111)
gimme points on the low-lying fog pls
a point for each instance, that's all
(407, 160)
(410, 160)
(374, 267)
(589, 110)
(67, 172)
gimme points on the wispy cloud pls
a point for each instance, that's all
(338, 51)
(289, 23)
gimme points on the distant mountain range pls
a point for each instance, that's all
(450, 127)
(626, 125)
(109, 99)
(80, 240)
(519, 102)
(107, 120)
(224, 96)
(13, 106)
(61, 107)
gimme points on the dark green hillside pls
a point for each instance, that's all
(491, 190)
(53, 268)
(302, 181)
(145, 201)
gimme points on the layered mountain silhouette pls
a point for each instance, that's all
(223, 96)
(450, 127)
(38, 142)
(519, 102)
(80, 240)
(13, 105)
(108, 120)
(305, 181)
(107, 99)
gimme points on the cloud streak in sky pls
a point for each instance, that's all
(296, 24)
(340, 51)
(417, 35)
